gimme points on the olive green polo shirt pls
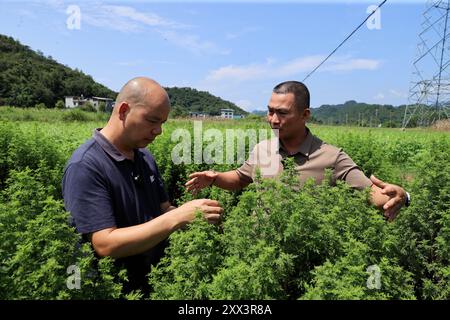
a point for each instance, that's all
(312, 157)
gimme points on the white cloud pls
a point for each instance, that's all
(127, 19)
(379, 96)
(27, 14)
(124, 18)
(142, 62)
(133, 63)
(271, 69)
(244, 31)
(270, 61)
(59, 4)
(304, 64)
(391, 93)
(100, 20)
(353, 64)
(226, 81)
(238, 73)
(231, 36)
(162, 62)
(245, 104)
(192, 43)
(149, 19)
(398, 93)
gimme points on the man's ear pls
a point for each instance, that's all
(123, 110)
(306, 113)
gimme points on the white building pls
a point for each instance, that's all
(197, 114)
(227, 113)
(73, 102)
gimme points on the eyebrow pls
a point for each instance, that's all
(278, 108)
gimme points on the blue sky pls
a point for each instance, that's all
(237, 50)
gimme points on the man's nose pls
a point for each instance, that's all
(275, 119)
(157, 131)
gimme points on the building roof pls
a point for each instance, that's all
(100, 98)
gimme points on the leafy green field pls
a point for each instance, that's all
(276, 241)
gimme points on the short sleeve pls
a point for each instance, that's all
(245, 172)
(345, 169)
(87, 198)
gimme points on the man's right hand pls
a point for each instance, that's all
(200, 180)
(211, 210)
(128, 241)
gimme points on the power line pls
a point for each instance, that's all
(379, 6)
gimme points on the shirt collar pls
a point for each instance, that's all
(107, 146)
(304, 148)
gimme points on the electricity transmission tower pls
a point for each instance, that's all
(429, 94)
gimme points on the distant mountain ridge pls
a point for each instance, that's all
(185, 100)
(28, 78)
(358, 113)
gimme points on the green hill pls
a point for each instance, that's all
(185, 100)
(28, 78)
(359, 114)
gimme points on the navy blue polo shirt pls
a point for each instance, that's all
(103, 189)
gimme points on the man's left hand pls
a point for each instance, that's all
(393, 197)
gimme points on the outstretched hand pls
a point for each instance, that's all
(396, 197)
(200, 180)
(211, 210)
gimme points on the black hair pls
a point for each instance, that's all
(298, 89)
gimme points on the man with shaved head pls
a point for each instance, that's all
(114, 191)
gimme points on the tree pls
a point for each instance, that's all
(88, 107)
(178, 112)
(60, 105)
(40, 106)
(28, 78)
(102, 107)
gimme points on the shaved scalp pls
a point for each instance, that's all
(137, 90)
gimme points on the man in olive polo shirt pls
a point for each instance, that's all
(114, 192)
(288, 111)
